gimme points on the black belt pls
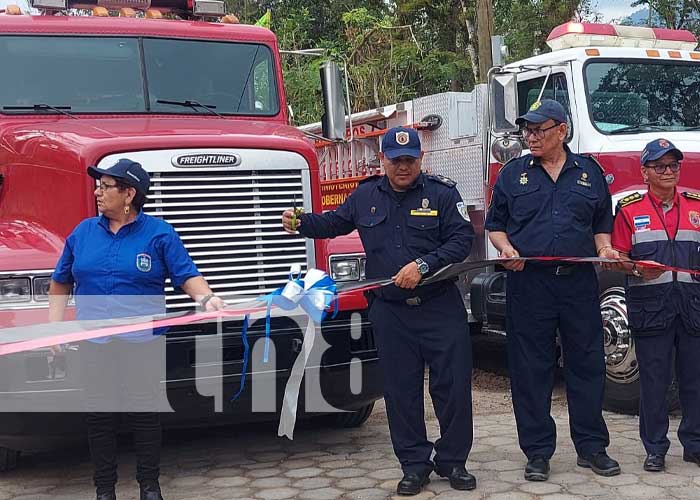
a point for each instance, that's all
(418, 299)
(555, 269)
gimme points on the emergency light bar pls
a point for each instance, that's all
(571, 35)
(196, 7)
(49, 4)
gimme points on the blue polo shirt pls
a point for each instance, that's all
(546, 218)
(123, 274)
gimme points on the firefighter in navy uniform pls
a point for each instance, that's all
(554, 203)
(412, 224)
(663, 306)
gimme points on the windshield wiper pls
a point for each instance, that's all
(191, 104)
(641, 127)
(42, 107)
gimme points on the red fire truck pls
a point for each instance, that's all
(201, 106)
(622, 87)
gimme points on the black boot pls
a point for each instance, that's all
(150, 490)
(413, 482)
(106, 494)
(459, 478)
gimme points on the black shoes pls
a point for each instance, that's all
(459, 478)
(537, 469)
(600, 463)
(691, 457)
(411, 484)
(150, 491)
(654, 462)
(106, 494)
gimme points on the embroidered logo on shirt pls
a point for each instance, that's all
(143, 262)
(583, 181)
(463, 211)
(642, 222)
(694, 218)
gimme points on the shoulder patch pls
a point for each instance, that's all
(371, 178)
(629, 200)
(443, 180)
(691, 196)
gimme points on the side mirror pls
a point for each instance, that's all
(333, 119)
(503, 97)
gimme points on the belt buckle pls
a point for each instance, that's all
(413, 301)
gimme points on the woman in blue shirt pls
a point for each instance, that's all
(116, 265)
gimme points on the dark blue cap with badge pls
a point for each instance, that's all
(401, 141)
(657, 148)
(541, 111)
(127, 171)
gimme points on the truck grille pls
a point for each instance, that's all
(230, 222)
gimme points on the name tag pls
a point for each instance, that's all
(425, 213)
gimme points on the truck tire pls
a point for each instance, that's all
(353, 418)
(622, 389)
(8, 459)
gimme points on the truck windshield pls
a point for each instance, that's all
(135, 75)
(633, 96)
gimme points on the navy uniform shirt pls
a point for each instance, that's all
(428, 221)
(542, 217)
(130, 267)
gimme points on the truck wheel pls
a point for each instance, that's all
(621, 368)
(8, 459)
(353, 418)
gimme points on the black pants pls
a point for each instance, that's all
(436, 333)
(538, 304)
(122, 379)
(655, 356)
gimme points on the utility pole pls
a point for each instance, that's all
(484, 30)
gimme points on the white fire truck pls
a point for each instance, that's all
(622, 87)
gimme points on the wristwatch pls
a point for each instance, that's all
(423, 267)
(205, 299)
(635, 271)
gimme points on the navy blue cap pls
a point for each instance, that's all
(541, 111)
(127, 171)
(401, 141)
(657, 148)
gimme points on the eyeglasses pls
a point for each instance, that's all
(660, 168)
(102, 187)
(537, 132)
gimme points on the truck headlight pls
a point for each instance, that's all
(41, 288)
(345, 268)
(14, 290)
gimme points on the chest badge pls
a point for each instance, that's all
(583, 181)
(425, 209)
(523, 178)
(642, 223)
(373, 210)
(143, 262)
(694, 218)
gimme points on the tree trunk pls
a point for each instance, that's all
(470, 41)
(485, 29)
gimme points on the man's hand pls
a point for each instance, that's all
(408, 276)
(287, 221)
(612, 254)
(650, 273)
(214, 304)
(512, 265)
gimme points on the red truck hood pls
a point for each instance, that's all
(87, 134)
(46, 192)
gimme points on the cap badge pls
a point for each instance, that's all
(425, 203)
(402, 138)
(663, 143)
(143, 262)
(535, 105)
(523, 178)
